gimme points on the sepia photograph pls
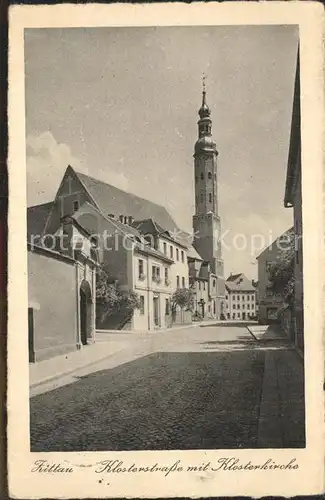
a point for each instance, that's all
(165, 288)
(169, 201)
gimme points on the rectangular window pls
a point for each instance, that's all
(182, 255)
(75, 205)
(183, 282)
(141, 304)
(199, 285)
(248, 306)
(166, 273)
(210, 197)
(165, 248)
(234, 306)
(167, 307)
(253, 297)
(155, 273)
(140, 268)
(243, 297)
(177, 254)
(238, 306)
(268, 265)
(171, 251)
(177, 281)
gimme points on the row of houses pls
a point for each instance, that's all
(71, 237)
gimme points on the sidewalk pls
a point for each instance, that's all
(267, 332)
(282, 409)
(117, 346)
(53, 368)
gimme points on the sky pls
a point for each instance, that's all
(121, 104)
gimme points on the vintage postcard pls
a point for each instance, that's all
(166, 250)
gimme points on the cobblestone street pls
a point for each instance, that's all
(199, 388)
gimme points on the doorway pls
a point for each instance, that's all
(156, 311)
(85, 312)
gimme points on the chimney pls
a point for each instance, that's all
(122, 218)
(130, 220)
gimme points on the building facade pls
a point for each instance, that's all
(293, 199)
(61, 317)
(206, 220)
(135, 262)
(270, 303)
(240, 298)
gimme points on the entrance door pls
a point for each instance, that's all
(83, 317)
(156, 311)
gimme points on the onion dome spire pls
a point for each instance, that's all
(204, 110)
(205, 143)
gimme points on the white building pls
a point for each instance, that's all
(240, 298)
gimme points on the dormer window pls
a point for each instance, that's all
(75, 205)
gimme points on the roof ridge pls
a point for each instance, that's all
(119, 189)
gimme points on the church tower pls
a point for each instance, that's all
(206, 221)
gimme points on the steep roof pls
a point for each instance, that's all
(130, 232)
(36, 218)
(234, 277)
(283, 235)
(112, 200)
(239, 283)
(150, 226)
(193, 254)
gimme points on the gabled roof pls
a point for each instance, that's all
(123, 228)
(36, 218)
(112, 200)
(234, 277)
(193, 254)
(130, 232)
(239, 283)
(283, 235)
(150, 226)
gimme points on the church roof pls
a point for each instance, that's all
(36, 218)
(112, 200)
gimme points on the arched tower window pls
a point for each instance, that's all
(209, 175)
(210, 197)
(202, 176)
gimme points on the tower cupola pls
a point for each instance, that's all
(205, 141)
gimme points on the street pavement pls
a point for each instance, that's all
(216, 387)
